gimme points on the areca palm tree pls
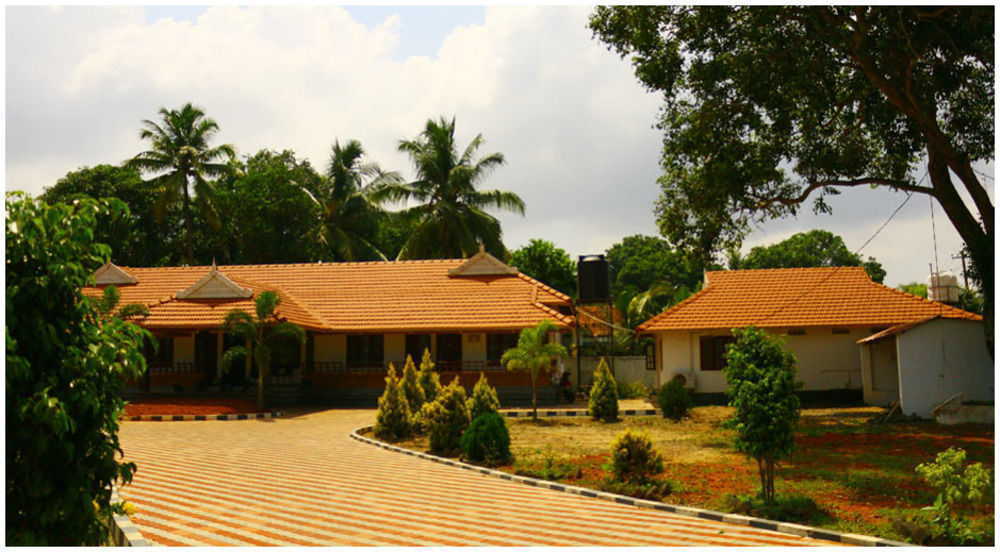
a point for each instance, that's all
(533, 354)
(451, 218)
(349, 217)
(260, 332)
(181, 156)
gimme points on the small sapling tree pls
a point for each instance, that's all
(604, 394)
(393, 419)
(533, 354)
(484, 398)
(429, 380)
(958, 486)
(415, 395)
(761, 378)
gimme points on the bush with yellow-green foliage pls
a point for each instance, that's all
(415, 395)
(429, 380)
(446, 419)
(634, 458)
(393, 419)
(604, 394)
(484, 398)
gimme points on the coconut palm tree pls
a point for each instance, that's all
(533, 354)
(349, 217)
(451, 218)
(260, 333)
(181, 157)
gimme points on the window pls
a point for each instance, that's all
(449, 351)
(286, 355)
(416, 344)
(712, 350)
(164, 354)
(796, 331)
(840, 331)
(497, 345)
(364, 350)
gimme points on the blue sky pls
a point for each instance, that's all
(422, 28)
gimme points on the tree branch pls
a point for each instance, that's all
(896, 184)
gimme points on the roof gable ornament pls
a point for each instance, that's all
(215, 285)
(111, 274)
(482, 264)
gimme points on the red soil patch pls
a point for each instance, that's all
(180, 406)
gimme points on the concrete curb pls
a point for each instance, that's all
(736, 519)
(202, 417)
(576, 413)
(124, 533)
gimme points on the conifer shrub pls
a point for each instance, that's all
(415, 395)
(487, 440)
(484, 398)
(604, 394)
(674, 400)
(429, 380)
(393, 420)
(446, 419)
(633, 457)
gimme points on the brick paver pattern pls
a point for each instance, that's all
(302, 481)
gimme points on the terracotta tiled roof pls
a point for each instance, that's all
(796, 297)
(383, 297)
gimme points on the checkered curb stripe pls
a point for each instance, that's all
(579, 412)
(736, 519)
(202, 418)
(124, 533)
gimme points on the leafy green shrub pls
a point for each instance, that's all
(761, 377)
(484, 398)
(446, 419)
(634, 458)
(796, 509)
(648, 490)
(674, 400)
(393, 419)
(487, 440)
(632, 390)
(604, 394)
(65, 368)
(415, 395)
(428, 379)
(957, 488)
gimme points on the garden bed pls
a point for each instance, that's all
(183, 406)
(860, 474)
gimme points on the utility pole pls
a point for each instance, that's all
(961, 255)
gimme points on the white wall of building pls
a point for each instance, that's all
(330, 348)
(826, 361)
(940, 358)
(394, 350)
(880, 372)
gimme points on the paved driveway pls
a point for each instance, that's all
(301, 481)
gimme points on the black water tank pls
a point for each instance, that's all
(592, 279)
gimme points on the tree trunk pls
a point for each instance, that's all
(187, 222)
(534, 400)
(977, 239)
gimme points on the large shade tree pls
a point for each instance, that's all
(545, 262)
(450, 216)
(766, 107)
(183, 160)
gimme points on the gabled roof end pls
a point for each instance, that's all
(215, 285)
(483, 264)
(112, 274)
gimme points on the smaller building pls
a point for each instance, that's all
(822, 313)
(925, 363)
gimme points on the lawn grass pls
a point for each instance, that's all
(860, 474)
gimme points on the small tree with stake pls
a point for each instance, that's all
(761, 377)
(260, 333)
(533, 354)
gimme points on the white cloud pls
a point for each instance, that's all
(572, 120)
